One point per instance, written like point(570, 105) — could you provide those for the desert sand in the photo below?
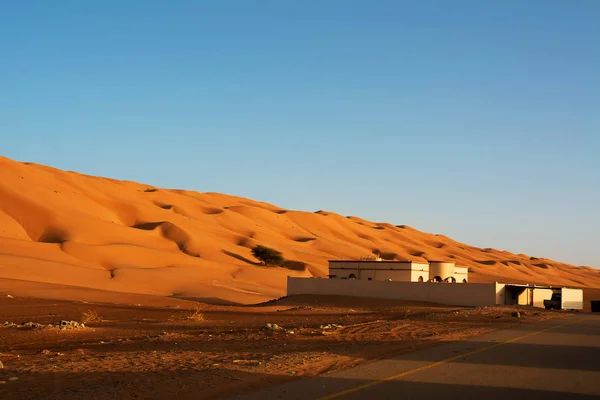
point(161, 348)
point(70, 229)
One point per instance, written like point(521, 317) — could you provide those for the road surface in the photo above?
point(557, 359)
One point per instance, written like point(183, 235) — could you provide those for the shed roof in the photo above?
point(531, 286)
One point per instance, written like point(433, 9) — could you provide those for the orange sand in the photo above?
point(72, 229)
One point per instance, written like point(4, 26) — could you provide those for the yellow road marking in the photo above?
point(435, 364)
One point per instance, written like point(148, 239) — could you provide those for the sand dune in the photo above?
point(72, 229)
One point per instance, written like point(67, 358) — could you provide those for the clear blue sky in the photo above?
point(476, 119)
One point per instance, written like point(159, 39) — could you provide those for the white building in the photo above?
point(400, 271)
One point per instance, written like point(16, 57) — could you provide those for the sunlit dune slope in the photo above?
point(64, 227)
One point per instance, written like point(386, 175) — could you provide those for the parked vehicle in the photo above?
point(555, 302)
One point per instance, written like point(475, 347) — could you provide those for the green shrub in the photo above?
point(267, 255)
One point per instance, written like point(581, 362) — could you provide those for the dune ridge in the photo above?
point(73, 229)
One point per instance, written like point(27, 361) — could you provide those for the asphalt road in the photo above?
point(552, 360)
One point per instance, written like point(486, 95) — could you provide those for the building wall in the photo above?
point(516, 295)
point(396, 271)
point(500, 293)
point(476, 294)
point(377, 270)
point(523, 299)
point(442, 269)
point(421, 266)
point(511, 295)
point(367, 274)
point(419, 270)
point(461, 273)
point(415, 274)
point(344, 269)
point(399, 276)
point(539, 295)
point(572, 299)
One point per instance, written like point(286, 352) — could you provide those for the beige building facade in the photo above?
point(400, 271)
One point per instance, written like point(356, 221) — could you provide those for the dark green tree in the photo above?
point(267, 255)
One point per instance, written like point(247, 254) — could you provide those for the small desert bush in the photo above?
point(267, 255)
point(90, 316)
point(196, 315)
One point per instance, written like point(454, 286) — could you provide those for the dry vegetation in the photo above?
point(196, 315)
point(90, 316)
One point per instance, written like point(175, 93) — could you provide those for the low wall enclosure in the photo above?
point(420, 281)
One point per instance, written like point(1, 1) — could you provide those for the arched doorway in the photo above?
point(437, 279)
point(351, 276)
point(464, 281)
point(420, 279)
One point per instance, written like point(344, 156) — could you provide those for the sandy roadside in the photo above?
point(154, 350)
